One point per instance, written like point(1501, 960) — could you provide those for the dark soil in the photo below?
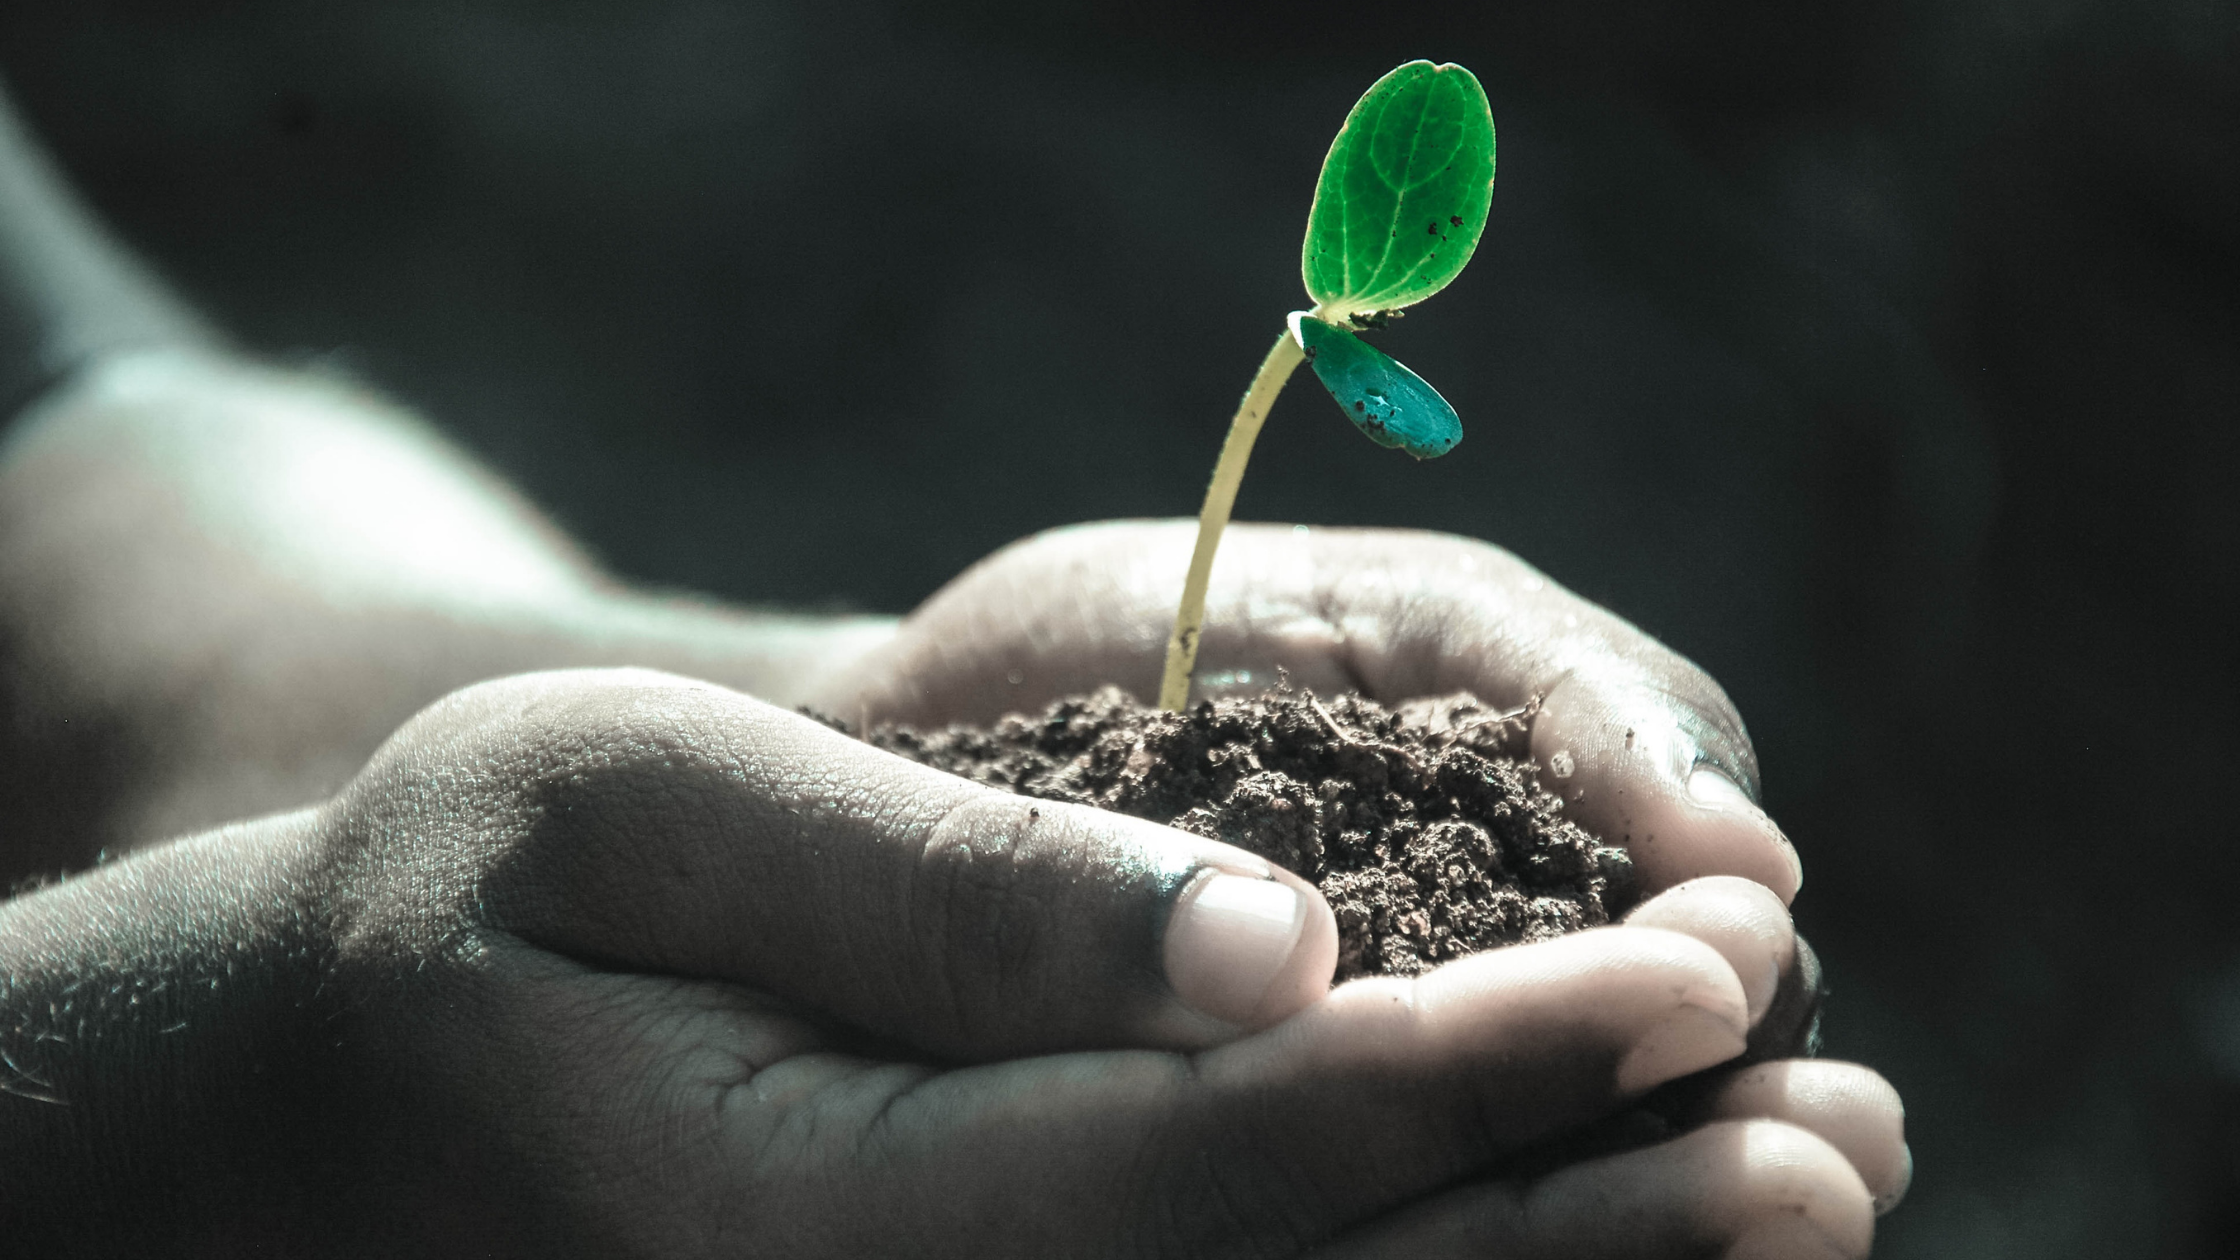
point(1421, 824)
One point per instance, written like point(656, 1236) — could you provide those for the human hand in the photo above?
point(1643, 746)
point(613, 964)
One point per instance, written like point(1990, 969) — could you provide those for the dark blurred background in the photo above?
point(1881, 355)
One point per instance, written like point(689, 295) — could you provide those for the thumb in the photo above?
point(676, 826)
point(1659, 762)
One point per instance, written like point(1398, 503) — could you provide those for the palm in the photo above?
point(1055, 1148)
point(1386, 1092)
point(704, 900)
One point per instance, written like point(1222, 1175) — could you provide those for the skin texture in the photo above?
point(1624, 726)
point(624, 963)
point(225, 585)
point(627, 963)
point(599, 961)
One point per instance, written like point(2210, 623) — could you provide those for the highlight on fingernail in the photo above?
point(1711, 788)
point(1231, 938)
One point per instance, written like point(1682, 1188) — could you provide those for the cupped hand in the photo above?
point(609, 964)
point(636, 965)
point(1643, 746)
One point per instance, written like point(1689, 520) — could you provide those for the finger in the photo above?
point(1790, 1028)
point(1747, 1190)
point(656, 823)
point(1850, 1107)
point(1385, 1092)
point(1497, 1049)
point(1668, 776)
point(1743, 920)
point(1644, 747)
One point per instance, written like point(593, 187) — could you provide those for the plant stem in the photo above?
point(1221, 496)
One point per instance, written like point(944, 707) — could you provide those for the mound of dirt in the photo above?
point(1422, 824)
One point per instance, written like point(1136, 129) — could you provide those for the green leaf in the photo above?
point(1385, 400)
point(1403, 194)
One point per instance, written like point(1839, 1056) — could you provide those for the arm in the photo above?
point(68, 295)
point(221, 585)
point(608, 964)
point(615, 963)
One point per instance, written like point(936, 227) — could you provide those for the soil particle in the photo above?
point(1422, 824)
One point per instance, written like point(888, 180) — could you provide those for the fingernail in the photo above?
point(1714, 790)
point(1690, 1039)
point(1786, 1240)
point(1228, 941)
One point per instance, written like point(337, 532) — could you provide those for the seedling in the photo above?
point(1397, 212)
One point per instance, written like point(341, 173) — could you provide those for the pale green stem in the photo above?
point(1221, 496)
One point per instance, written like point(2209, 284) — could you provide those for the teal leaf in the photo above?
point(1385, 400)
point(1404, 192)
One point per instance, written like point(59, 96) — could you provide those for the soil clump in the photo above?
point(1422, 823)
